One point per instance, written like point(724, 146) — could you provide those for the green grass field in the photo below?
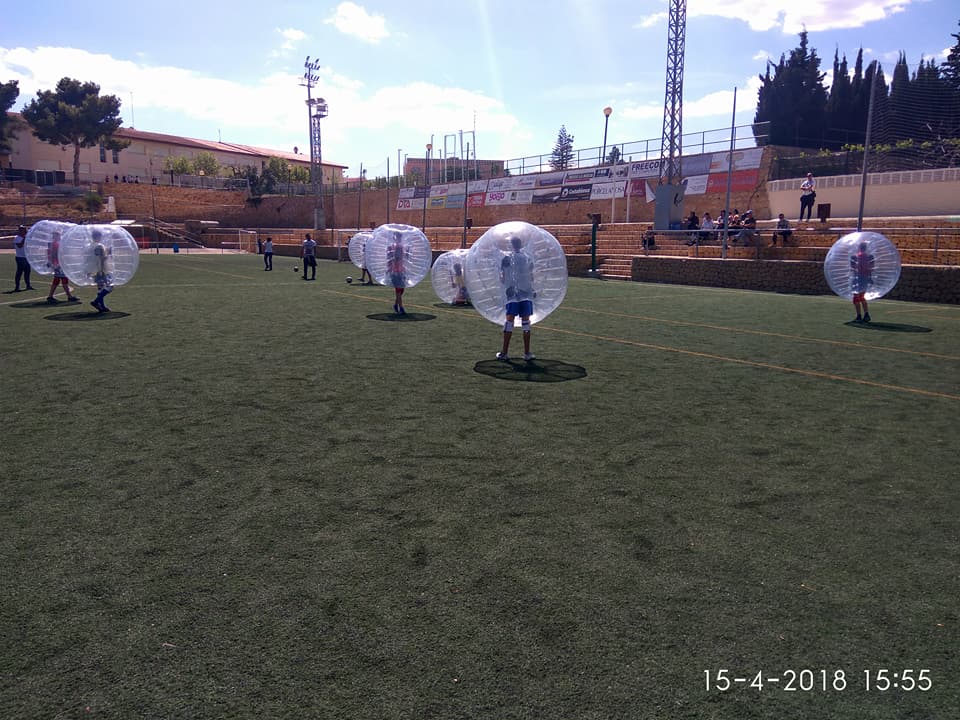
point(242, 495)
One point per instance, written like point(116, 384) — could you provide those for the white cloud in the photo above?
point(352, 19)
point(651, 20)
point(291, 37)
point(792, 17)
point(271, 107)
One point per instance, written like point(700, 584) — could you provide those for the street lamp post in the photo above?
point(606, 121)
point(426, 197)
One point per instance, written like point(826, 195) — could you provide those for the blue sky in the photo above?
point(508, 73)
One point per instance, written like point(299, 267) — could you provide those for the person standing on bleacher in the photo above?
point(808, 195)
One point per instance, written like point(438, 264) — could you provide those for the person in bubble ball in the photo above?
point(516, 276)
point(59, 276)
point(862, 264)
point(364, 273)
point(396, 256)
point(103, 273)
point(460, 285)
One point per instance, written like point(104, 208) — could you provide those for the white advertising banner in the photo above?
point(645, 169)
point(748, 159)
point(509, 197)
point(608, 190)
point(697, 184)
point(500, 184)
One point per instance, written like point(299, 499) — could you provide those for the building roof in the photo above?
point(211, 145)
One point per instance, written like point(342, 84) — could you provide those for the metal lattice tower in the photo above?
point(671, 146)
point(316, 110)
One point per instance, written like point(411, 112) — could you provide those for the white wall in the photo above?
point(893, 194)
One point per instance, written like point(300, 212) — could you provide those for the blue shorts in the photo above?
point(398, 280)
point(524, 308)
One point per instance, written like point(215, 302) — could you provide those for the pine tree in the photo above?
point(562, 155)
point(794, 99)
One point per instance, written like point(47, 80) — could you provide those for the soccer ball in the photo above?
point(349, 279)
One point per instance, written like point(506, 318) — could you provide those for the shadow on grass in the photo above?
point(87, 316)
point(408, 317)
point(889, 327)
point(451, 306)
point(43, 303)
point(532, 371)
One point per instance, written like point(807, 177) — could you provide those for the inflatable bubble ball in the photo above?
point(357, 248)
point(104, 253)
point(448, 276)
point(42, 245)
point(516, 261)
point(862, 262)
point(398, 255)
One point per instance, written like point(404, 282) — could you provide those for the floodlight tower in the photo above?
point(316, 111)
point(669, 207)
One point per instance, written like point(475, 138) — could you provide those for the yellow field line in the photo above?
point(765, 333)
point(754, 363)
point(693, 353)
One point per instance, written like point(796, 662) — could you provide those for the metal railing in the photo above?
point(744, 136)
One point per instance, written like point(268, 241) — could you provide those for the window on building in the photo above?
point(103, 153)
point(116, 157)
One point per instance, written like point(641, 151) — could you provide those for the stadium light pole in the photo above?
point(606, 121)
point(426, 159)
point(399, 168)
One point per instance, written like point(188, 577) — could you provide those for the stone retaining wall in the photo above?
point(917, 283)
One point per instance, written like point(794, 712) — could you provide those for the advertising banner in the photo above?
point(421, 191)
point(575, 192)
point(499, 184)
point(546, 195)
point(455, 201)
point(439, 190)
point(524, 182)
point(437, 203)
point(697, 165)
point(740, 181)
point(577, 177)
point(410, 204)
point(609, 190)
point(550, 179)
point(475, 200)
point(406, 192)
point(509, 197)
point(477, 186)
point(697, 184)
point(742, 160)
point(645, 169)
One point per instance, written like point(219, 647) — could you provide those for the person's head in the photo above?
point(707, 214)
point(516, 242)
point(22, 230)
point(308, 236)
point(809, 176)
point(457, 270)
point(780, 216)
point(863, 246)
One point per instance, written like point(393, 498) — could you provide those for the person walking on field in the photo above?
point(23, 266)
point(268, 254)
point(308, 252)
point(808, 194)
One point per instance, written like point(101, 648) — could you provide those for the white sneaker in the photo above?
point(528, 356)
point(502, 356)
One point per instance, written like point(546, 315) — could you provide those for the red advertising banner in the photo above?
point(740, 181)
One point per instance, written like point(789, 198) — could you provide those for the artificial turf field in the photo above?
point(243, 495)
